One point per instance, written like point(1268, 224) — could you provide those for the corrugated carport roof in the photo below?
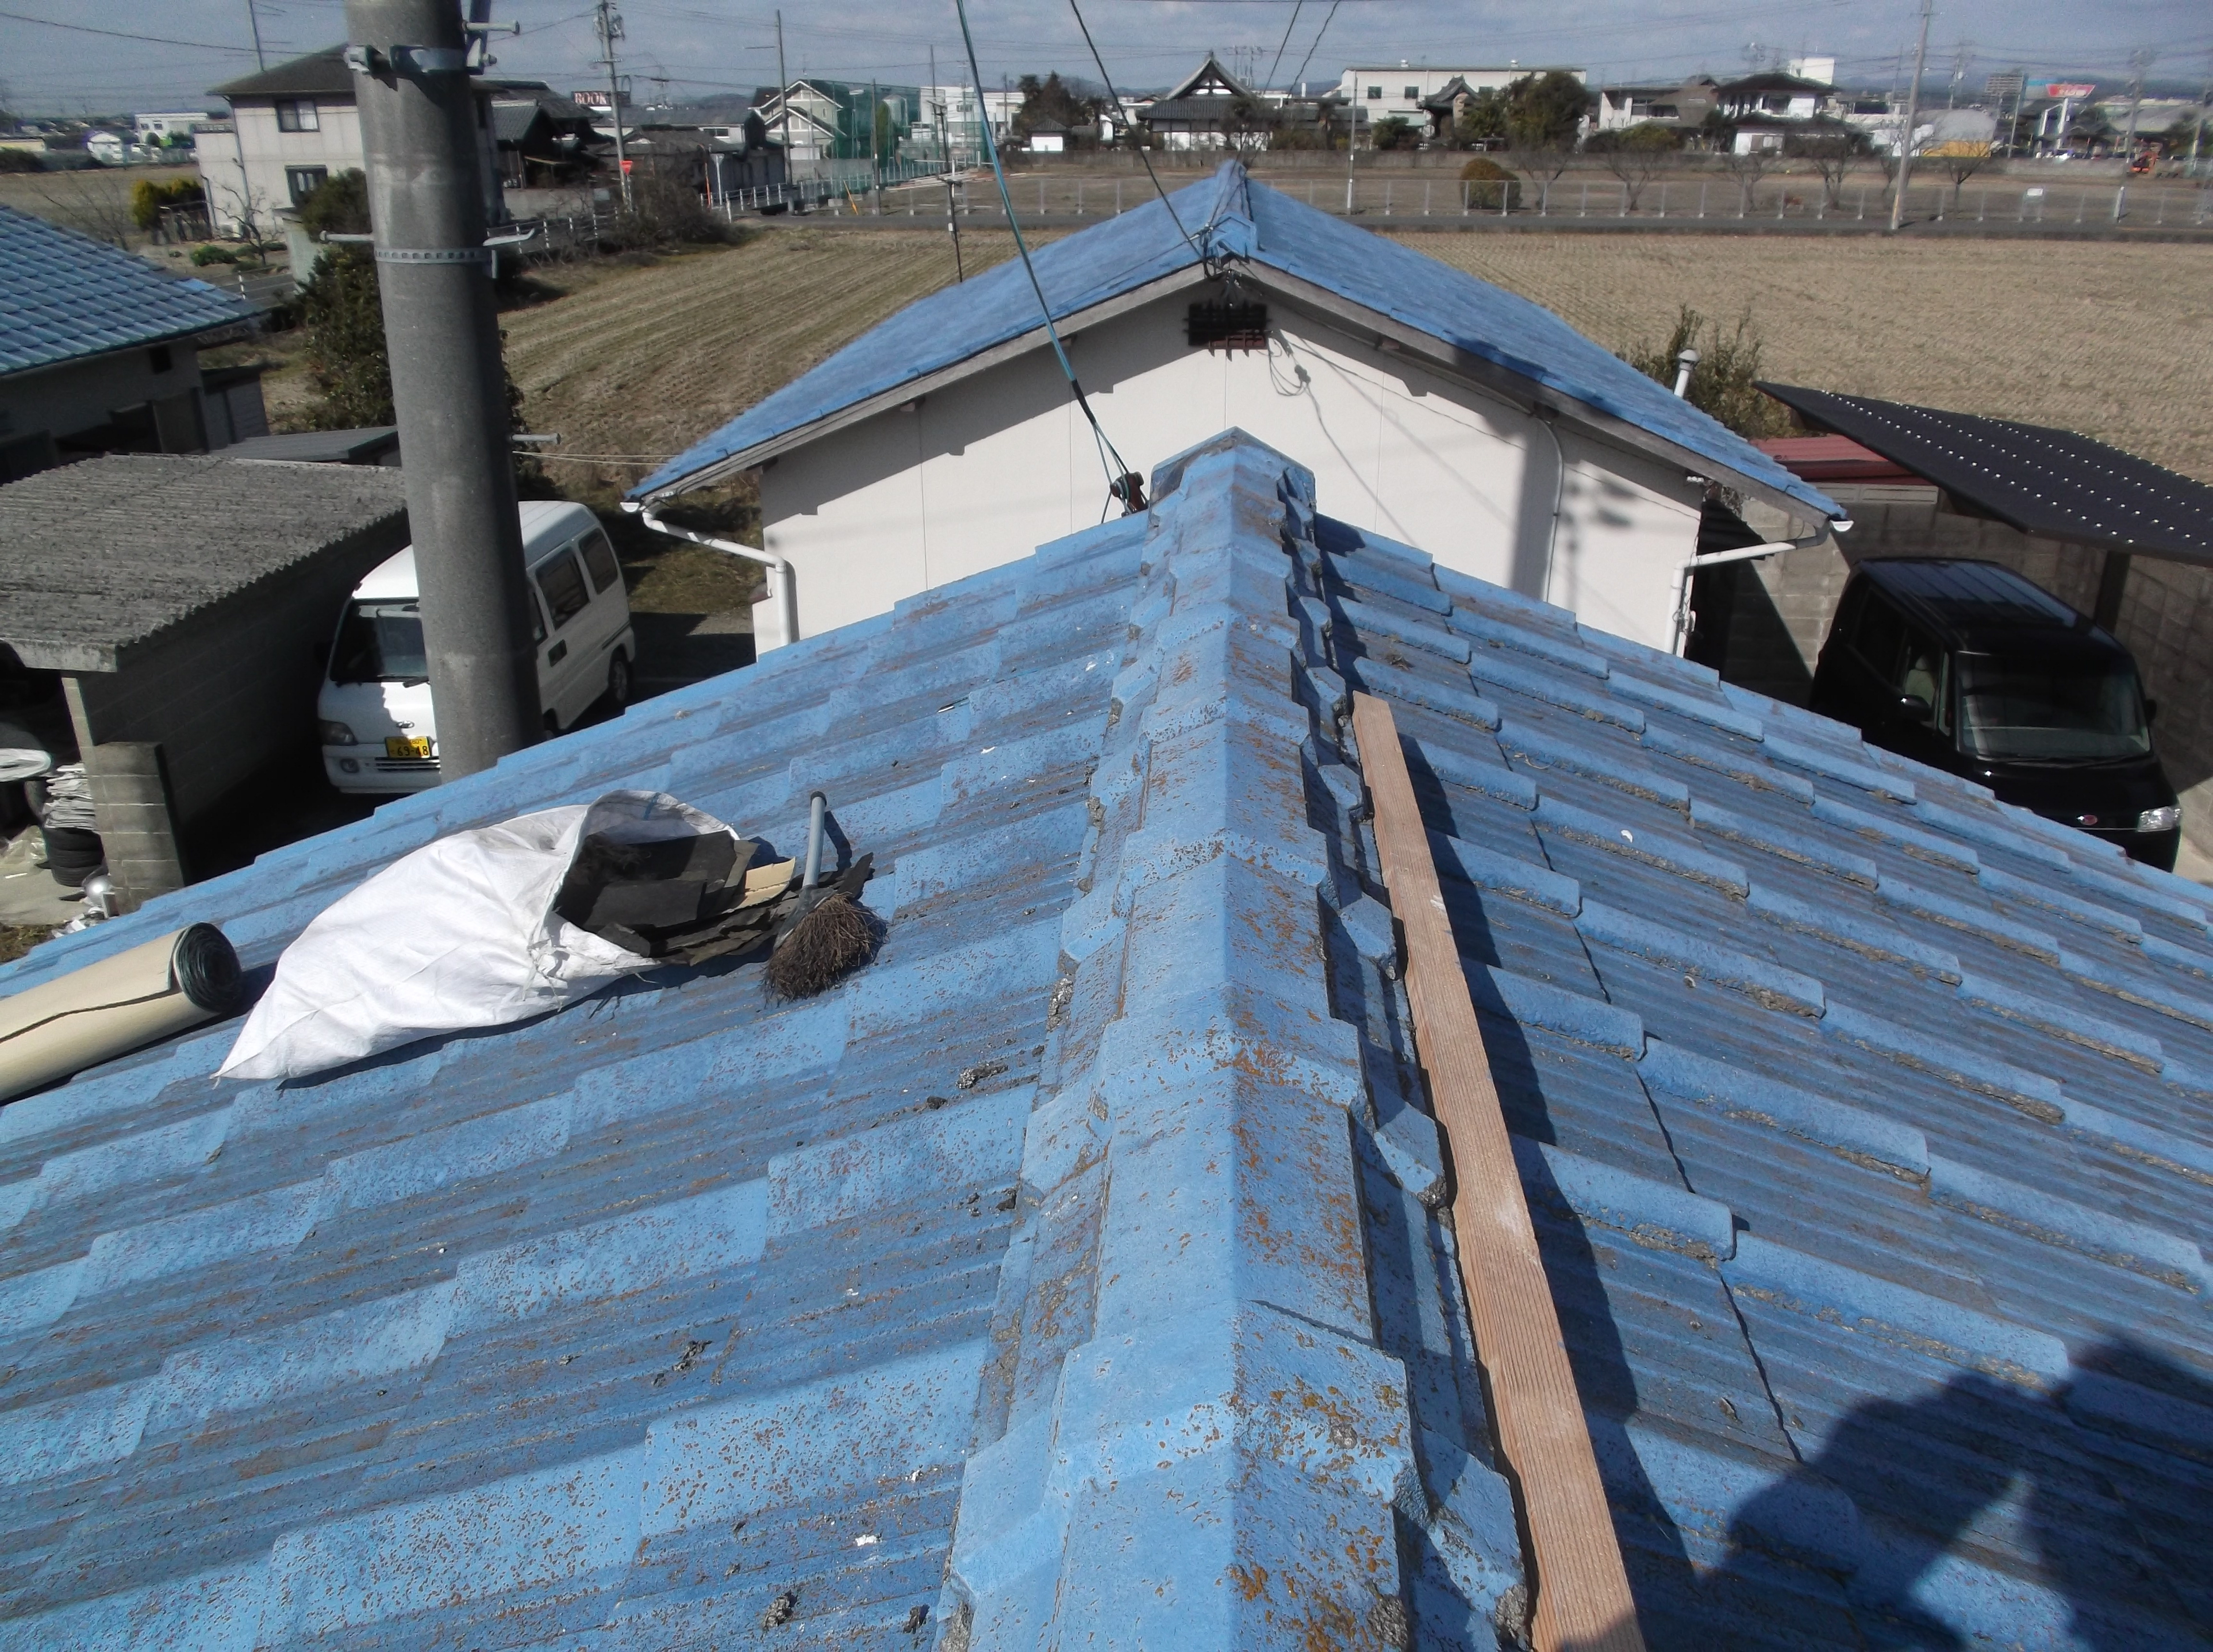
point(2055, 483)
point(100, 556)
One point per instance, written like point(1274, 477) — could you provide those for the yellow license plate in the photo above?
point(401, 745)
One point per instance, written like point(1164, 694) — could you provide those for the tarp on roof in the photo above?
point(1071, 1272)
point(64, 295)
point(1233, 217)
point(2053, 482)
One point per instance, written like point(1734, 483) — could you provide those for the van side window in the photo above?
point(563, 586)
point(1903, 660)
point(600, 558)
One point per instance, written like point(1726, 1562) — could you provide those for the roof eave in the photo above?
point(925, 384)
point(1520, 389)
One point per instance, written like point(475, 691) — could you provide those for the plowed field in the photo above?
point(2116, 341)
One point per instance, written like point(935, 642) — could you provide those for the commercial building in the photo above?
point(1385, 93)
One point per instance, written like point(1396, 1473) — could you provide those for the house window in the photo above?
point(1229, 326)
point(1413, 93)
point(1375, 92)
point(297, 115)
point(304, 181)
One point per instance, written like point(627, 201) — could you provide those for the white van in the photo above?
point(375, 707)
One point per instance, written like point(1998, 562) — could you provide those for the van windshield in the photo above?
point(381, 642)
point(2052, 710)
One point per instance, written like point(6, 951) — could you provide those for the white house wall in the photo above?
point(981, 472)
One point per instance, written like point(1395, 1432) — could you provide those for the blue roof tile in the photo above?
point(1080, 1258)
point(64, 295)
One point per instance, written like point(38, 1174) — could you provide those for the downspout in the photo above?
point(1545, 415)
point(1688, 571)
point(783, 584)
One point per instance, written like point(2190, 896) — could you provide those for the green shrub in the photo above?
point(1487, 183)
point(149, 197)
point(212, 253)
point(342, 309)
point(1723, 383)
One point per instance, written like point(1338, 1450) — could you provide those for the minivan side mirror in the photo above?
point(2151, 710)
point(1911, 708)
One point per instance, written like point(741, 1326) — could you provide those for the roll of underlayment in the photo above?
point(119, 1004)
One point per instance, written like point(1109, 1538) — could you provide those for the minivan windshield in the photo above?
point(2052, 710)
point(381, 642)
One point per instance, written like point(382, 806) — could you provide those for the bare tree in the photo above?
point(255, 220)
point(1961, 161)
point(1635, 157)
point(1748, 169)
point(1834, 151)
point(95, 201)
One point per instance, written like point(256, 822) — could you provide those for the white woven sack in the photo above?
point(461, 933)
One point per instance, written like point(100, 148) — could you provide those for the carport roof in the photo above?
point(1071, 1270)
point(64, 295)
point(2044, 481)
point(103, 556)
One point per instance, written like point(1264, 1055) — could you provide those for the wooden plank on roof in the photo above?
point(1582, 1598)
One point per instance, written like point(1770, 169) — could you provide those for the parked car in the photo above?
point(379, 733)
point(1968, 667)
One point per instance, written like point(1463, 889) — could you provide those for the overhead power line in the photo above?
point(118, 34)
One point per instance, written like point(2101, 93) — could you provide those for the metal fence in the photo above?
point(1719, 197)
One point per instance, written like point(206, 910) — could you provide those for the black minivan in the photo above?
point(1968, 667)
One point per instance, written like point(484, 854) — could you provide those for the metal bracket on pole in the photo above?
point(434, 255)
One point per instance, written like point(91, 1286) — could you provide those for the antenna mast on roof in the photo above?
point(253, 18)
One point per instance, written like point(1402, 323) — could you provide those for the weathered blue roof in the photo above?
point(1073, 1270)
point(1235, 219)
point(64, 294)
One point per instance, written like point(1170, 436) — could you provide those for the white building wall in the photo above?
point(248, 171)
point(1392, 86)
point(982, 472)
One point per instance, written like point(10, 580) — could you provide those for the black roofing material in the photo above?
point(2054, 482)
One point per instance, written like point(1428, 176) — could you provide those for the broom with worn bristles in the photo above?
point(830, 935)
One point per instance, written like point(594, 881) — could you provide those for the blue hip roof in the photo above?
point(1076, 1268)
point(1225, 219)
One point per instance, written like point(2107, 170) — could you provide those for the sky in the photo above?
point(168, 56)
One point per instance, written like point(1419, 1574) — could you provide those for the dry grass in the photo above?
point(2114, 341)
point(647, 361)
point(2111, 340)
point(94, 200)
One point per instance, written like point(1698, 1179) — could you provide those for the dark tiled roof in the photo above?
point(318, 74)
point(100, 556)
point(64, 295)
point(2040, 480)
point(1073, 1265)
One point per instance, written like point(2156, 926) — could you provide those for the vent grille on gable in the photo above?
point(1229, 326)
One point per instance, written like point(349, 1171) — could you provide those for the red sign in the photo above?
point(626, 163)
point(2068, 89)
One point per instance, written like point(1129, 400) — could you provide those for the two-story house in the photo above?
point(296, 125)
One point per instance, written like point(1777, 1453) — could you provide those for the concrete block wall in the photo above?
point(234, 686)
point(2166, 614)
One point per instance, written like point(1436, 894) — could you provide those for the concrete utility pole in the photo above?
point(610, 26)
point(784, 96)
point(420, 128)
point(1912, 118)
point(2139, 61)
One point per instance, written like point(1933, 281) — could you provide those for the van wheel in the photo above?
point(618, 680)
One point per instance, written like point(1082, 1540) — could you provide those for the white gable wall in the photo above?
point(982, 471)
